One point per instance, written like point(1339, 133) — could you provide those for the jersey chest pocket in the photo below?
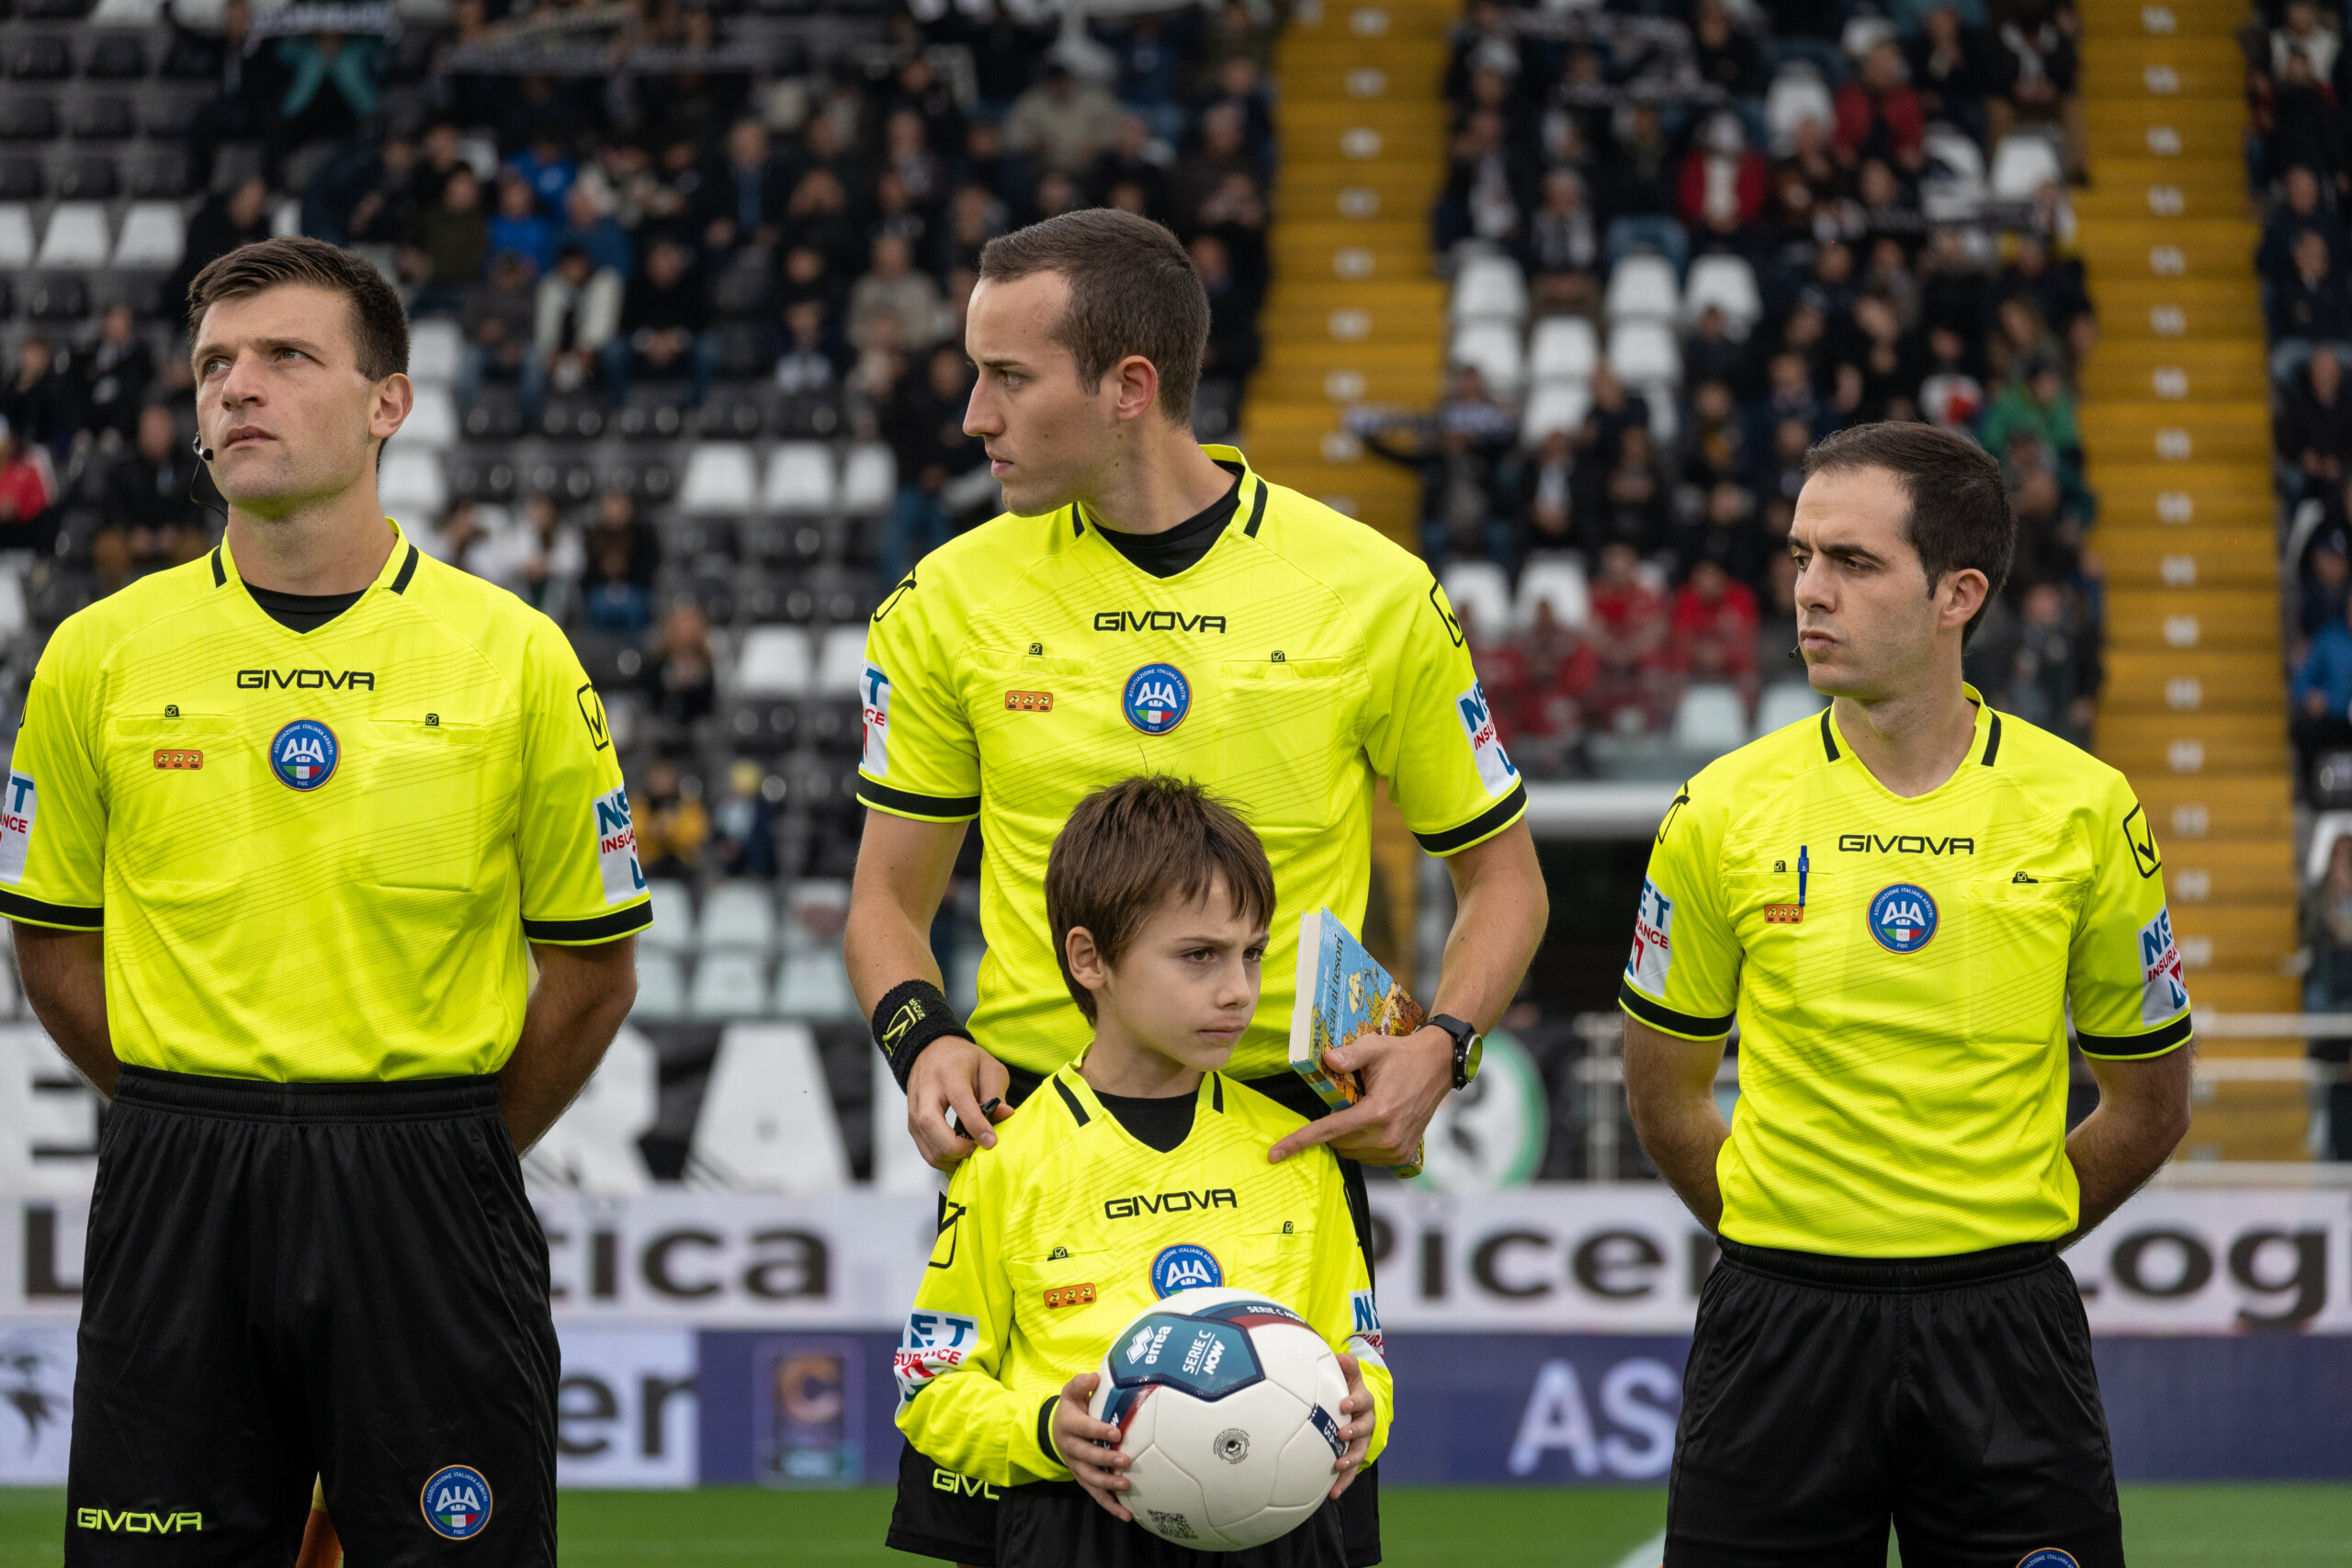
point(440, 791)
point(180, 792)
point(1787, 951)
point(2018, 937)
point(1281, 732)
point(1076, 1294)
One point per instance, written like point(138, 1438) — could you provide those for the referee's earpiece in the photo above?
point(203, 453)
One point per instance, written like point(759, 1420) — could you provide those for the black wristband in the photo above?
point(910, 1016)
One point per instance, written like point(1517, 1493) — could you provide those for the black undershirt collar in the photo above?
point(302, 612)
point(1159, 1124)
point(1179, 549)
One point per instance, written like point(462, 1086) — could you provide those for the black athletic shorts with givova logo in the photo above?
point(290, 1282)
point(1953, 1397)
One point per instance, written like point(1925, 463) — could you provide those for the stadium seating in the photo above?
point(767, 1123)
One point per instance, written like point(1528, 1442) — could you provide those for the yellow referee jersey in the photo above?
point(1901, 972)
point(317, 856)
point(1051, 1241)
point(1028, 663)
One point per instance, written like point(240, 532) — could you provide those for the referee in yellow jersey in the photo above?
point(1899, 903)
point(283, 828)
point(1151, 605)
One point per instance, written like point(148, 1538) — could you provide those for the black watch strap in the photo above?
point(1465, 1036)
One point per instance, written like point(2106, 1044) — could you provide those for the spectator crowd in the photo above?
point(1780, 220)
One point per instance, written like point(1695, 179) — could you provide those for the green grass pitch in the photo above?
point(2164, 1526)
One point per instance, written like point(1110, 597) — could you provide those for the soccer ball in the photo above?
point(1228, 1404)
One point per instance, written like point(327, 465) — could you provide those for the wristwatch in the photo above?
point(1468, 1047)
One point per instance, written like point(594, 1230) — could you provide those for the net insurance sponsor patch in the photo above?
point(2163, 988)
point(16, 827)
point(1494, 767)
point(875, 688)
point(1653, 951)
point(616, 847)
point(930, 1344)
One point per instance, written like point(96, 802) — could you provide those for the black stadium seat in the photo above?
point(102, 119)
point(91, 179)
point(56, 299)
point(496, 415)
point(21, 179)
point(8, 300)
point(28, 119)
point(169, 114)
point(56, 10)
point(165, 177)
point(478, 479)
point(117, 57)
point(41, 58)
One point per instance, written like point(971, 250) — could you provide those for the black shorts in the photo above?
point(291, 1280)
point(943, 1514)
point(1954, 1397)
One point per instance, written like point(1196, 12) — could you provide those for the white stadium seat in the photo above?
point(14, 614)
point(661, 987)
point(1666, 409)
point(776, 661)
point(1709, 719)
point(720, 480)
point(899, 1164)
point(673, 917)
point(2022, 165)
point(1786, 702)
point(1480, 595)
point(1563, 348)
point(1553, 405)
point(799, 478)
point(154, 235)
point(869, 478)
point(593, 1145)
point(286, 218)
point(841, 661)
point(1796, 94)
point(411, 484)
point(76, 236)
point(432, 422)
point(1488, 289)
point(1491, 348)
point(767, 1122)
point(1556, 581)
point(1645, 351)
point(16, 236)
point(1642, 288)
point(727, 984)
point(435, 350)
point(1727, 283)
point(813, 986)
point(739, 915)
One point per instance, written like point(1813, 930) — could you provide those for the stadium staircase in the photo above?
point(1354, 315)
point(2176, 424)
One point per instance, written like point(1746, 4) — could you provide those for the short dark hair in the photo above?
point(379, 324)
point(1133, 290)
point(1143, 842)
point(1960, 517)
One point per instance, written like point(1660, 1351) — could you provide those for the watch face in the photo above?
point(1471, 1058)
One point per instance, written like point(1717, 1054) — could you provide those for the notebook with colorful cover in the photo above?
point(1344, 994)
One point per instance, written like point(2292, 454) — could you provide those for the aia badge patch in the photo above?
point(304, 754)
point(1157, 698)
point(2048, 1557)
point(1184, 1266)
point(1902, 918)
point(456, 1502)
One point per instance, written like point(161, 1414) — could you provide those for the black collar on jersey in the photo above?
point(399, 584)
point(1248, 529)
point(1180, 548)
point(1078, 1112)
point(1992, 737)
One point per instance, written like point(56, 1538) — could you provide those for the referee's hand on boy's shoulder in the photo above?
point(1406, 1077)
point(953, 1073)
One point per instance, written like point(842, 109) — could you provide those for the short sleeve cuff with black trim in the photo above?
point(923, 807)
point(1480, 828)
point(1665, 1021)
point(2137, 1047)
point(66, 917)
point(588, 932)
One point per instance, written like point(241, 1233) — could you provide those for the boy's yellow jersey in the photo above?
point(1902, 972)
point(1051, 1241)
point(1029, 663)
